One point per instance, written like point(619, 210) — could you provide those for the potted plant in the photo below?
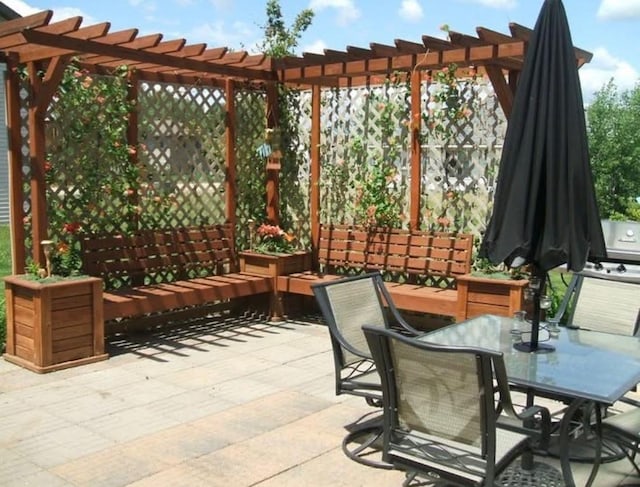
point(491, 289)
point(274, 253)
point(53, 321)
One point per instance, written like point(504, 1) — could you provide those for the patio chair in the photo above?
point(606, 306)
point(347, 304)
point(440, 417)
point(601, 305)
point(624, 429)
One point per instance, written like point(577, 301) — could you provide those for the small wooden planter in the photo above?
point(274, 266)
point(52, 326)
point(483, 295)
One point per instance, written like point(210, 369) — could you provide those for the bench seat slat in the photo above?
point(432, 259)
point(160, 297)
point(186, 266)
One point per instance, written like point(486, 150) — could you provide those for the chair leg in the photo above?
point(366, 439)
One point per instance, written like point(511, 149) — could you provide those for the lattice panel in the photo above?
point(355, 133)
point(250, 133)
point(26, 167)
point(182, 129)
point(89, 177)
point(459, 173)
point(295, 176)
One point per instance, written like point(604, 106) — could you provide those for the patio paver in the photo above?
point(237, 402)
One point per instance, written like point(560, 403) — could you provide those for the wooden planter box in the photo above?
point(483, 295)
point(274, 266)
point(52, 326)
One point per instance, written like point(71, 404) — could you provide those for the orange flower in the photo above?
point(444, 221)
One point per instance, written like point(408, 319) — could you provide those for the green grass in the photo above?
point(5, 270)
point(559, 282)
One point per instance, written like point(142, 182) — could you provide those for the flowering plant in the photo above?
point(273, 240)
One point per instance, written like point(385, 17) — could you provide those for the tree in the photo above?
point(614, 145)
point(278, 40)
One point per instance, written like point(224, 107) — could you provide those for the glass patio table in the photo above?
point(586, 366)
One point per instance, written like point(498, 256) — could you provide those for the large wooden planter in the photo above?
point(479, 295)
point(274, 266)
point(52, 326)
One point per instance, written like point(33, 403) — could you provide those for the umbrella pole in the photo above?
point(538, 281)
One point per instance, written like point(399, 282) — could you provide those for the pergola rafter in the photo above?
point(48, 47)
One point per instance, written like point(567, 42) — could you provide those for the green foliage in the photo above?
point(91, 183)
point(280, 41)
point(379, 196)
point(5, 270)
point(448, 103)
point(614, 146)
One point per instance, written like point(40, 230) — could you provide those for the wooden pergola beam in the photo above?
point(126, 54)
point(429, 60)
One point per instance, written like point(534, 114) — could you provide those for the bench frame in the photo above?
point(160, 270)
point(420, 267)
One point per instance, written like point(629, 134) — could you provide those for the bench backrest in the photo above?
point(431, 258)
point(161, 255)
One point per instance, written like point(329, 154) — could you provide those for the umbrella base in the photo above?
point(528, 347)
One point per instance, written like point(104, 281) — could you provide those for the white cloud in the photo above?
point(347, 11)
point(602, 68)
point(21, 7)
point(619, 9)
point(220, 34)
point(318, 47)
point(494, 3)
point(61, 13)
point(411, 10)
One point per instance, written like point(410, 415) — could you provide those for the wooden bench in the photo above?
point(161, 270)
point(420, 267)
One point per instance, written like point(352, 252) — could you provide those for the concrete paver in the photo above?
point(239, 402)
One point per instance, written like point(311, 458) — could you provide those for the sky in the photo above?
point(607, 28)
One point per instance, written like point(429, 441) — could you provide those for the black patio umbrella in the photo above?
point(545, 212)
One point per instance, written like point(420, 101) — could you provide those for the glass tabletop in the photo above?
point(585, 364)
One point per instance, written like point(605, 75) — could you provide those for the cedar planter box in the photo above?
point(54, 325)
point(479, 295)
point(273, 265)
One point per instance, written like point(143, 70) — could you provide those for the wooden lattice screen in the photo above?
point(179, 175)
point(457, 175)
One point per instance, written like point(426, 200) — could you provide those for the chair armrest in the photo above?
point(534, 421)
point(573, 288)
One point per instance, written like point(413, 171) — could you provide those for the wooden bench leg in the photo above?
point(276, 309)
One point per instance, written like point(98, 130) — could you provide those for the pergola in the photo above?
point(48, 47)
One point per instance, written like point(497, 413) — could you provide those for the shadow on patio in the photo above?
point(218, 401)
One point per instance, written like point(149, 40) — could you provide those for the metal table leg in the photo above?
point(565, 427)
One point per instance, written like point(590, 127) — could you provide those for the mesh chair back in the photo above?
point(440, 414)
point(348, 304)
point(439, 394)
point(607, 306)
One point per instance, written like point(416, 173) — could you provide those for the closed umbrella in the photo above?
point(545, 211)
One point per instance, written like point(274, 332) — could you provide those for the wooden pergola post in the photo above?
point(39, 222)
point(16, 192)
point(132, 133)
point(416, 150)
point(273, 175)
point(41, 90)
point(230, 186)
point(316, 93)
